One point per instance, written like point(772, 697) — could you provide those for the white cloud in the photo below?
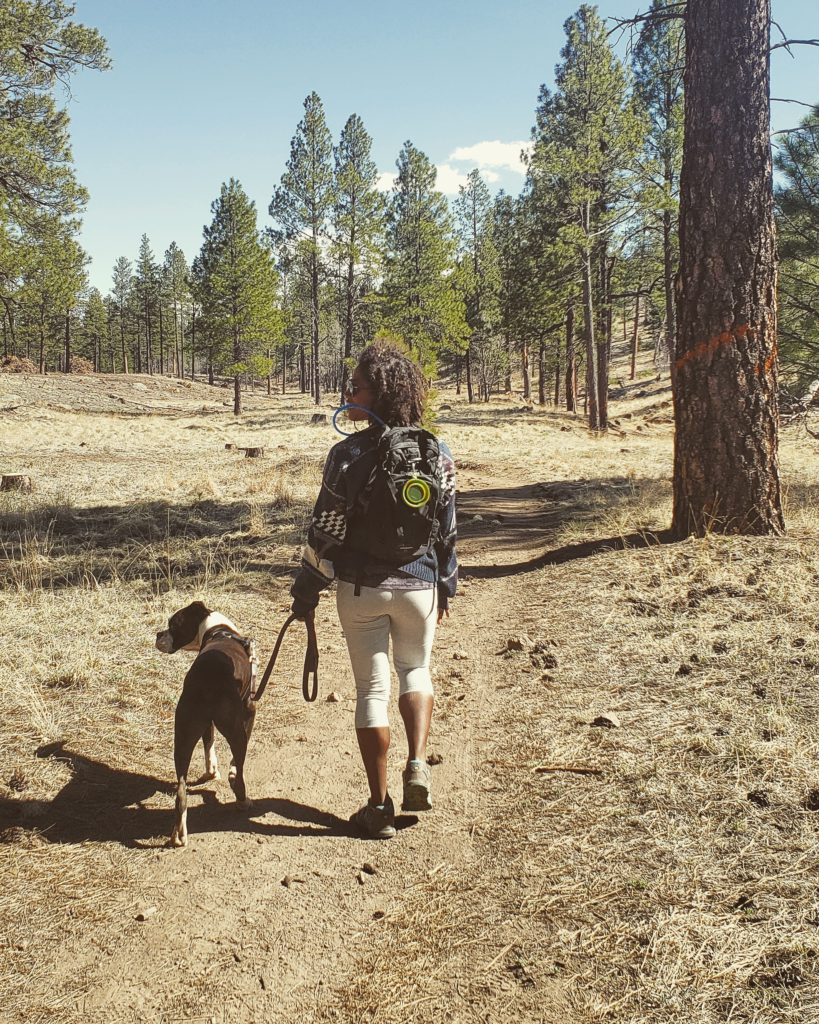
point(386, 180)
point(489, 155)
point(449, 179)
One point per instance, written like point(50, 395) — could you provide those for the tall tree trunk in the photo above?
point(314, 320)
point(149, 341)
point(302, 370)
point(591, 347)
point(349, 323)
point(67, 345)
point(603, 344)
point(509, 365)
point(468, 361)
point(726, 469)
point(193, 342)
point(42, 346)
point(571, 361)
point(284, 368)
point(122, 339)
point(161, 343)
point(527, 375)
point(237, 381)
point(668, 288)
point(458, 374)
point(541, 373)
point(634, 337)
point(557, 373)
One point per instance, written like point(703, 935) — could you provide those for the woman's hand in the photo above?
point(442, 613)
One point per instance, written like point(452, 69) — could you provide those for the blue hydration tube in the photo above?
point(352, 405)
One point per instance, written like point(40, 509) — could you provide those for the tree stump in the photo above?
point(230, 447)
point(16, 482)
point(253, 453)
point(318, 417)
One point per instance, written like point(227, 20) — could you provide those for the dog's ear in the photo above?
point(199, 608)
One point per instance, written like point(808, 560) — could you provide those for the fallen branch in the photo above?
point(578, 769)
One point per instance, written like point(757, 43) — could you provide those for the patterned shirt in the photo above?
point(325, 557)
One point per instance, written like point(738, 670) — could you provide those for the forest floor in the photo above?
point(627, 779)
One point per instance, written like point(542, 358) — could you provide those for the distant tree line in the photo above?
point(488, 291)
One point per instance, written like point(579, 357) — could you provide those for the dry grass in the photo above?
point(91, 565)
point(677, 881)
point(679, 885)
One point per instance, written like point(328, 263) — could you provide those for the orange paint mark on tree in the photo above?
point(768, 365)
point(706, 348)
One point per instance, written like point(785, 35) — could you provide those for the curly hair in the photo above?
point(397, 384)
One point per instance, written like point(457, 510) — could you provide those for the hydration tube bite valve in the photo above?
point(352, 405)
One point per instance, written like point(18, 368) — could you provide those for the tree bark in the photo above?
point(527, 374)
point(591, 347)
point(314, 320)
point(726, 470)
point(634, 337)
point(571, 361)
point(557, 372)
point(668, 288)
point(541, 374)
point(468, 361)
point(67, 345)
point(161, 343)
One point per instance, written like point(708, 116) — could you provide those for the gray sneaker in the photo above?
point(375, 821)
point(417, 783)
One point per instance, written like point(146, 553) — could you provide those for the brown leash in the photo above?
point(311, 659)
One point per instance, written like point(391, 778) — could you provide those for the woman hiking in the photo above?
point(379, 598)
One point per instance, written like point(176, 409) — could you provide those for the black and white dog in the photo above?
point(217, 692)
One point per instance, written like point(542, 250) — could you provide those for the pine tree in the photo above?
point(122, 279)
point(726, 467)
point(54, 277)
point(39, 47)
point(586, 136)
point(422, 306)
point(301, 205)
point(358, 222)
point(479, 282)
point(176, 289)
point(658, 65)
point(797, 209)
point(94, 327)
point(238, 288)
point(146, 288)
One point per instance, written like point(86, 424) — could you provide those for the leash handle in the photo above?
point(311, 659)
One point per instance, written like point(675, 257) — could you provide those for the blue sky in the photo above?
point(204, 90)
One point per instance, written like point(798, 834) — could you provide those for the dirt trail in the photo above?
point(262, 914)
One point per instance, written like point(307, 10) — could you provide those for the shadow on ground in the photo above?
point(108, 805)
point(57, 546)
point(516, 519)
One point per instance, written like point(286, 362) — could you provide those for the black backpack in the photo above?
point(393, 512)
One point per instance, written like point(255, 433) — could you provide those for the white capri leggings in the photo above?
point(368, 621)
